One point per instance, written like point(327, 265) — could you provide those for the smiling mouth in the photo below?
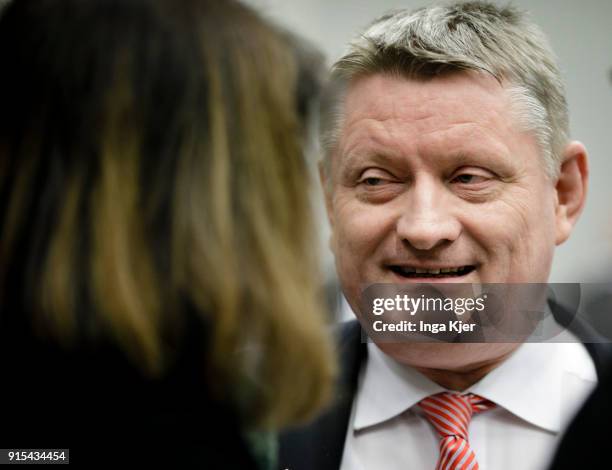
point(420, 273)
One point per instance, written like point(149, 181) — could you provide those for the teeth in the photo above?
point(411, 270)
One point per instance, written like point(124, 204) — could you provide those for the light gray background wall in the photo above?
point(581, 35)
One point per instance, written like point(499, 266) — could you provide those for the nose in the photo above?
point(428, 217)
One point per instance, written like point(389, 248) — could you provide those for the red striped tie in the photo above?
point(450, 415)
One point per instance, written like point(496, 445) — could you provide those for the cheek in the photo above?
point(360, 229)
point(518, 236)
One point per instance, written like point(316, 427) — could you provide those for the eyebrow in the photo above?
point(354, 158)
point(462, 157)
point(492, 152)
point(458, 158)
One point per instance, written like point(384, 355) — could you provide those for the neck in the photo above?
point(464, 378)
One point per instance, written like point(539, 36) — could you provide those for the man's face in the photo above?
point(434, 181)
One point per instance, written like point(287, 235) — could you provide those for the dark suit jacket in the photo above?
point(319, 445)
point(587, 441)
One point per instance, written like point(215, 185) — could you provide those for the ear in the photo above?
point(571, 189)
point(326, 183)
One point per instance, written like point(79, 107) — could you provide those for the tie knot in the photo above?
point(450, 413)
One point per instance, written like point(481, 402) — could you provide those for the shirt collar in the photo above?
point(528, 384)
point(388, 389)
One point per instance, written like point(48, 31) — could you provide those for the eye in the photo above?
point(377, 186)
point(472, 176)
point(372, 181)
point(373, 177)
point(467, 178)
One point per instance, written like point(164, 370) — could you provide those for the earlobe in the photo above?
point(571, 189)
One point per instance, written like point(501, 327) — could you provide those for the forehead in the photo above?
point(386, 95)
point(465, 108)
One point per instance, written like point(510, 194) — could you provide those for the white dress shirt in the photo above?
point(538, 389)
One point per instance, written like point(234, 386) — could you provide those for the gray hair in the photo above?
point(439, 40)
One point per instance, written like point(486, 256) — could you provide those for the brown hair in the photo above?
point(151, 166)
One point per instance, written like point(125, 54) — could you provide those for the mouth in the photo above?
point(450, 272)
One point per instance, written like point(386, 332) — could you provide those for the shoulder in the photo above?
point(585, 432)
point(598, 347)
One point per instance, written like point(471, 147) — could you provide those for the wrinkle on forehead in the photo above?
point(467, 112)
point(376, 96)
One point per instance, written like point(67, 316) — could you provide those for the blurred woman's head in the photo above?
point(151, 168)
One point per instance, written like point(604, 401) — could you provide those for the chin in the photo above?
point(447, 356)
